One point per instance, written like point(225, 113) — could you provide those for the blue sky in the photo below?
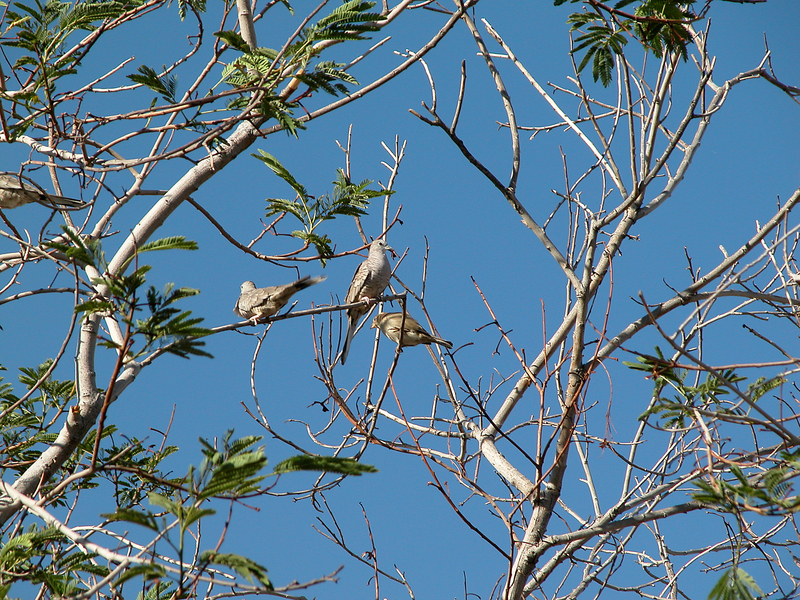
point(748, 158)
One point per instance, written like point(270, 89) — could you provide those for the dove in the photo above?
point(256, 303)
point(413, 333)
point(15, 192)
point(370, 279)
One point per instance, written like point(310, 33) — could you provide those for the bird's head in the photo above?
point(376, 322)
point(380, 245)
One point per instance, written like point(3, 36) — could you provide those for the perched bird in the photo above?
point(255, 303)
point(370, 279)
point(14, 192)
point(413, 333)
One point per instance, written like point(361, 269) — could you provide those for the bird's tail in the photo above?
point(351, 330)
point(441, 342)
point(50, 199)
point(307, 281)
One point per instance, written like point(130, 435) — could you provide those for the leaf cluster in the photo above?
point(231, 469)
point(229, 472)
point(25, 428)
point(45, 557)
point(660, 26)
point(167, 327)
point(247, 72)
point(138, 473)
point(41, 30)
point(769, 492)
point(346, 199)
point(265, 68)
point(766, 492)
point(166, 86)
point(709, 394)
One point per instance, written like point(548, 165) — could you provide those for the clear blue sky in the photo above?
point(749, 156)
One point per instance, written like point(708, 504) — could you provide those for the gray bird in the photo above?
point(370, 279)
point(15, 191)
point(413, 333)
point(256, 303)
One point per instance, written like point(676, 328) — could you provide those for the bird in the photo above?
point(256, 303)
point(14, 192)
point(413, 333)
point(370, 279)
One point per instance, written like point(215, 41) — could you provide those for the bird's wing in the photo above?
point(244, 304)
point(360, 278)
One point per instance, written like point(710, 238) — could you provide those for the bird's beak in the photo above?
point(392, 252)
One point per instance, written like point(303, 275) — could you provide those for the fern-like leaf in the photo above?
point(330, 464)
point(735, 584)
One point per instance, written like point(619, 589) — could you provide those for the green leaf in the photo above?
point(762, 385)
point(242, 565)
point(281, 171)
point(185, 5)
point(147, 572)
point(330, 464)
point(236, 476)
point(135, 516)
point(193, 514)
point(665, 30)
point(321, 243)
point(234, 40)
point(165, 85)
point(94, 306)
point(83, 250)
point(323, 77)
point(176, 242)
point(42, 30)
point(247, 69)
point(167, 326)
point(274, 107)
point(735, 584)
point(346, 22)
point(78, 561)
point(162, 501)
point(83, 15)
point(233, 471)
point(602, 44)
